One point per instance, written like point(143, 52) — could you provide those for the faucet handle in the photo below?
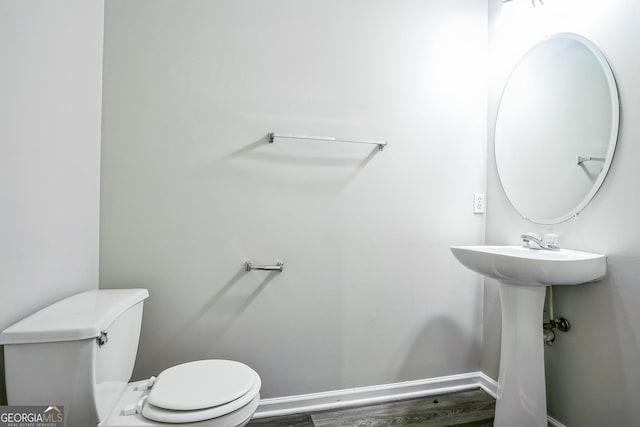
point(551, 240)
point(531, 240)
point(531, 234)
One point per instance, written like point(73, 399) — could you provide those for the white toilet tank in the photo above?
point(78, 352)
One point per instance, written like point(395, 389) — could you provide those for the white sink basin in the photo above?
point(523, 266)
point(522, 274)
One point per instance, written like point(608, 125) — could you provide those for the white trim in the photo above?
point(553, 422)
point(380, 393)
point(488, 384)
point(374, 394)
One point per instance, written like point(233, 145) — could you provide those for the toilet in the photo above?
point(79, 353)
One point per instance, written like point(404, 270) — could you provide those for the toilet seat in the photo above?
point(201, 390)
point(201, 384)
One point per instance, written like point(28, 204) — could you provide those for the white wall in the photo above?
point(190, 189)
point(593, 372)
point(50, 108)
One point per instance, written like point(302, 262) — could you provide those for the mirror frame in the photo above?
point(613, 137)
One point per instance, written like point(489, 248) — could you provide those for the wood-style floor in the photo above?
point(473, 408)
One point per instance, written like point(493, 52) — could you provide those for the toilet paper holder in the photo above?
point(279, 266)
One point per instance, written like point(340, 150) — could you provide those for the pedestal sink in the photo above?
point(523, 274)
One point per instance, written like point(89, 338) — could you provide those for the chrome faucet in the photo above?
point(533, 241)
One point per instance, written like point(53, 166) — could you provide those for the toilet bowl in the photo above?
point(118, 418)
point(205, 393)
point(79, 353)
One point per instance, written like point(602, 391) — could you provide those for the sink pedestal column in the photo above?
point(521, 398)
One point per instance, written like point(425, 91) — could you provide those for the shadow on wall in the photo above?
point(250, 152)
point(3, 383)
point(441, 340)
point(600, 352)
point(492, 328)
point(217, 315)
point(299, 154)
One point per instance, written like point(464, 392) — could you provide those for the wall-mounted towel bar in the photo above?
point(279, 266)
point(581, 159)
point(273, 136)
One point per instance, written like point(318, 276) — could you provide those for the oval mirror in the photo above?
point(556, 128)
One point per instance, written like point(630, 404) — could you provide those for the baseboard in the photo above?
point(553, 422)
point(488, 384)
point(380, 393)
point(374, 394)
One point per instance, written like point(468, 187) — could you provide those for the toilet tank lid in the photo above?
point(77, 317)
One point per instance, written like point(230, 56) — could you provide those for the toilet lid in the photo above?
point(202, 384)
point(223, 416)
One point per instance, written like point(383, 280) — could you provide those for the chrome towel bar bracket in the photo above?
point(279, 266)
